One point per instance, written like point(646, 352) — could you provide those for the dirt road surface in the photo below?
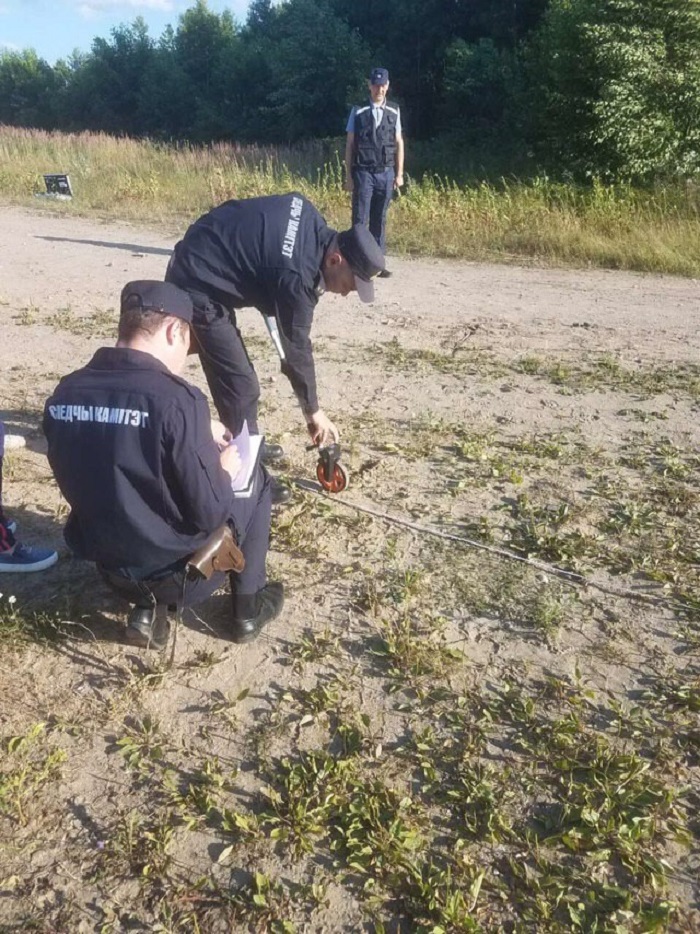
point(442, 390)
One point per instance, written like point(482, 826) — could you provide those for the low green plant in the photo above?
point(412, 654)
point(101, 324)
point(28, 764)
point(141, 845)
point(20, 626)
point(143, 744)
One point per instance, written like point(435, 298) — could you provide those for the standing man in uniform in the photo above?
point(374, 154)
point(132, 450)
point(278, 255)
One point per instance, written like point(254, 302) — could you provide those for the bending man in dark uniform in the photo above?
point(277, 254)
point(132, 450)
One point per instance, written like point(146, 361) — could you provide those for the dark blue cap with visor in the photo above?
point(163, 297)
point(379, 76)
point(364, 257)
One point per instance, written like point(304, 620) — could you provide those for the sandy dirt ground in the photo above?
point(441, 346)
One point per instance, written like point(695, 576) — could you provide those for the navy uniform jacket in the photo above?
point(375, 146)
point(264, 253)
point(131, 448)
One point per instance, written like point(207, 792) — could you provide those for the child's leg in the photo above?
point(2, 454)
point(7, 539)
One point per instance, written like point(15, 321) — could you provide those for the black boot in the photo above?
point(271, 453)
point(253, 611)
point(281, 494)
point(148, 627)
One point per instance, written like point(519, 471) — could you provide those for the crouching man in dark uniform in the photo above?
point(278, 255)
point(132, 450)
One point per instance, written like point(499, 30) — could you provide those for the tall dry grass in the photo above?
point(538, 220)
point(140, 180)
point(541, 220)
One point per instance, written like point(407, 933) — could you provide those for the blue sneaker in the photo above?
point(24, 559)
point(11, 526)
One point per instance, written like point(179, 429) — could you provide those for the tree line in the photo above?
point(578, 88)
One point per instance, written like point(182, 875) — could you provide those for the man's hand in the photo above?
point(221, 434)
point(321, 428)
point(230, 460)
point(348, 183)
point(398, 181)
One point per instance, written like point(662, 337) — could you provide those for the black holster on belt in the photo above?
point(219, 553)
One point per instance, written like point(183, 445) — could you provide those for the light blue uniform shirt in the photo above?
point(377, 113)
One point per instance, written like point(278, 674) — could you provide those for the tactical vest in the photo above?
point(375, 146)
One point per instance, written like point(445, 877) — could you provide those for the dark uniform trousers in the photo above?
point(250, 518)
point(372, 191)
point(230, 374)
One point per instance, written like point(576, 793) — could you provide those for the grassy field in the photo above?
point(540, 221)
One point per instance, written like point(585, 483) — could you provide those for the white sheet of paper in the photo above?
point(248, 447)
point(242, 443)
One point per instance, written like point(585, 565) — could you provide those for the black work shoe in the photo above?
point(148, 628)
point(266, 604)
point(385, 274)
point(281, 494)
point(271, 453)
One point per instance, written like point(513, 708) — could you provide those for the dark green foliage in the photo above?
point(481, 81)
point(28, 86)
point(106, 89)
point(301, 67)
point(615, 87)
